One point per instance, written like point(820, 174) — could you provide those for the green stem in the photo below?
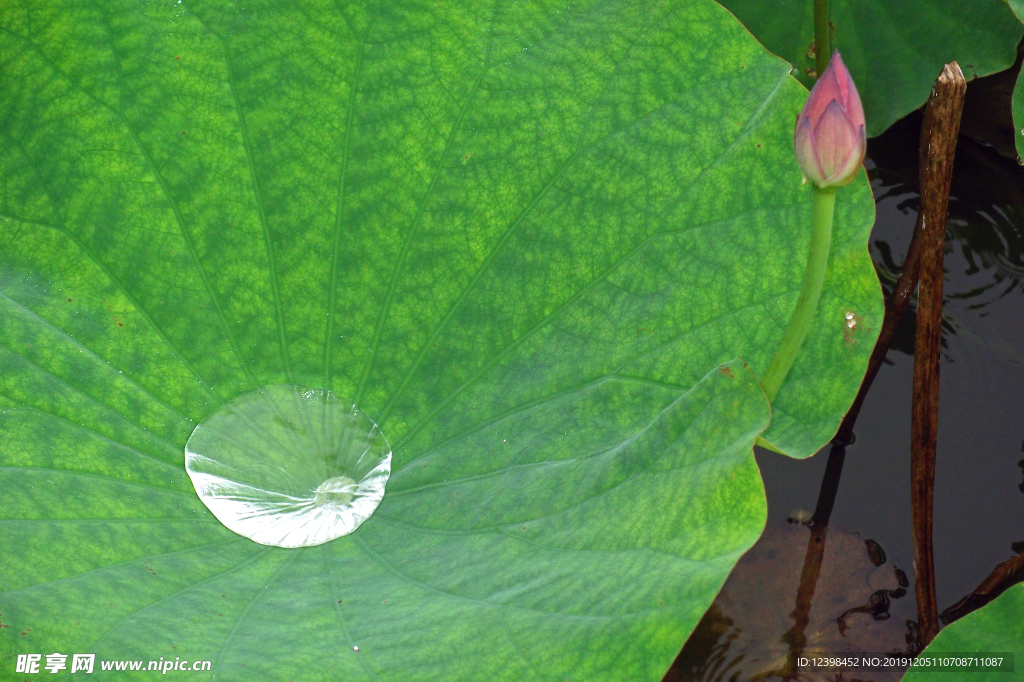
point(822, 37)
point(810, 292)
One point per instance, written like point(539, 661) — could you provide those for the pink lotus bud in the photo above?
point(829, 139)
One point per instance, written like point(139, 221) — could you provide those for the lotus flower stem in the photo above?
point(829, 142)
point(810, 292)
point(822, 37)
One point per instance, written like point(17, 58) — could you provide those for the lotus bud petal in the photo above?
point(830, 139)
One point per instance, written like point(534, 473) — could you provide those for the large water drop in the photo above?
point(288, 466)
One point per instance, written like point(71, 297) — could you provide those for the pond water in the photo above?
point(979, 494)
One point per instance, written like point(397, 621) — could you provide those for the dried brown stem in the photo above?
point(1005, 576)
point(938, 145)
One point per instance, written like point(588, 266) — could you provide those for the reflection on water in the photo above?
point(769, 614)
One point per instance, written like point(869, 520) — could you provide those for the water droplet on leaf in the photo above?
point(288, 466)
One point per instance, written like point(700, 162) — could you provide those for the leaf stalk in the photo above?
point(810, 292)
point(822, 36)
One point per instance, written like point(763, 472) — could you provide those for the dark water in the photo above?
point(979, 494)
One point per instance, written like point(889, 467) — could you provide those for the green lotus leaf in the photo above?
point(527, 241)
point(992, 631)
point(1018, 92)
point(1018, 115)
point(894, 48)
